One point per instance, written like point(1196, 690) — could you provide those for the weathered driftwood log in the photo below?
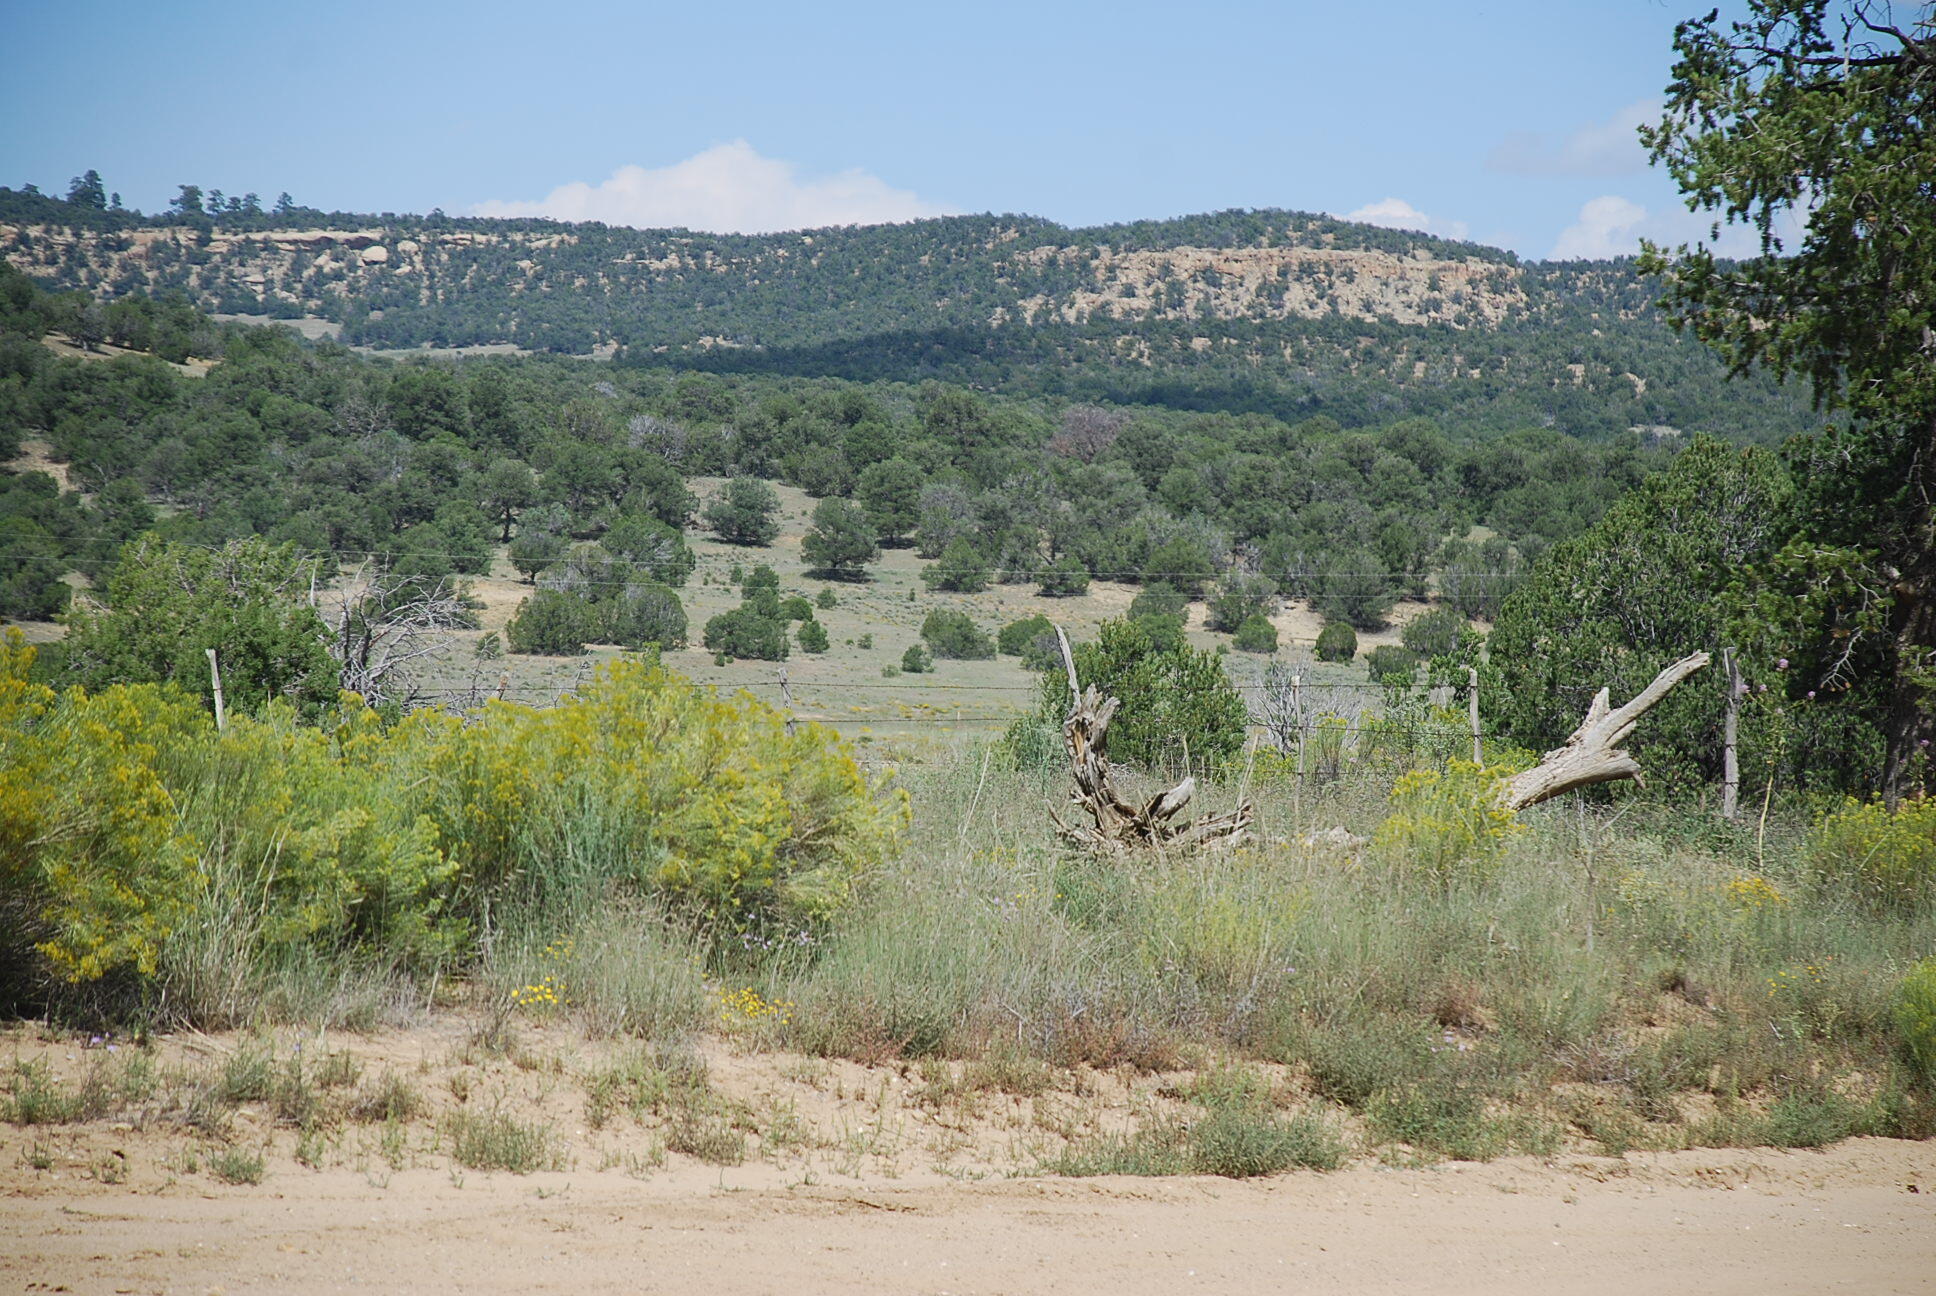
point(1116, 824)
point(1592, 754)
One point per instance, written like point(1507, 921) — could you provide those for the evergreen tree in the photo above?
point(1822, 110)
point(840, 543)
point(745, 513)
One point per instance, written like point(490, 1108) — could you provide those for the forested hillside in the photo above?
point(1273, 312)
point(423, 466)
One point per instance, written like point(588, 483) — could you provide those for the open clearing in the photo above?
point(856, 686)
point(858, 1178)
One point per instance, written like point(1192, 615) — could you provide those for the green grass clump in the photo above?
point(669, 1081)
point(710, 1137)
point(1449, 1118)
point(496, 1140)
point(390, 1097)
point(620, 969)
point(651, 1080)
point(1916, 1019)
point(35, 1097)
point(236, 1165)
point(1240, 1135)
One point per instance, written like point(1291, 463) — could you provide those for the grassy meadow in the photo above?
point(555, 890)
point(845, 687)
point(1615, 978)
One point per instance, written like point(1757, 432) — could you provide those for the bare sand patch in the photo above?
point(37, 455)
point(861, 1178)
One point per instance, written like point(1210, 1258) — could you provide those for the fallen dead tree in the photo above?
point(1592, 755)
point(1116, 824)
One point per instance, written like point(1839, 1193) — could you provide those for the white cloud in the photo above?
point(1602, 148)
point(728, 189)
point(1610, 226)
point(1396, 213)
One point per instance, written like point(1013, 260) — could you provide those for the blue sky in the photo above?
point(1509, 123)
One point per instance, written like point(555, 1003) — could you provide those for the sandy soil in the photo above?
point(877, 1178)
point(195, 367)
point(1857, 1218)
point(37, 455)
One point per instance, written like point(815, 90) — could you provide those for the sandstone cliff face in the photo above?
point(319, 271)
point(305, 269)
point(1277, 283)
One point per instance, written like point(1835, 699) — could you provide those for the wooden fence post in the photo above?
point(1303, 735)
point(221, 709)
point(1472, 713)
point(1730, 726)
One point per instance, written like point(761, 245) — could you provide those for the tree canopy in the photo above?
point(1817, 114)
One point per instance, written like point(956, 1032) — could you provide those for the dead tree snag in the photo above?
point(1592, 754)
point(1116, 824)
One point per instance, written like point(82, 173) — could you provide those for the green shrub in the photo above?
point(916, 660)
point(644, 546)
point(744, 632)
point(840, 543)
point(1890, 856)
point(1256, 635)
point(1158, 598)
point(1657, 576)
point(745, 513)
point(1063, 578)
point(1178, 706)
point(1354, 586)
point(1033, 640)
point(1337, 642)
point(165, 605)
point(643, 614)
point(1392, 666)
point(826, 600)
point(1237, 598)
point(138, 842)
point(1916, 1018)
point(551, 622)
point(952, 634)
point(1183, 563)
point(812, 636)
point(796, 608)
point(1165, 632)
point(1434, 633)
point(961, 568)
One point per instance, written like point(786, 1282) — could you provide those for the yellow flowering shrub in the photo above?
point(90, 840)
point(1751, 893)
point(1890, 855)
point(1446, 823)
point(646, 779)
point(135, 837)
point(743, 1007)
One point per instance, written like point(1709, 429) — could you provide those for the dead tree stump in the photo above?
point(1592, 754)
point(1116, 824)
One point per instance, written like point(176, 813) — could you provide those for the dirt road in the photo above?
point(1859, 1218)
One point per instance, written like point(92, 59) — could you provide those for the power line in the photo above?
point(1118, 577)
